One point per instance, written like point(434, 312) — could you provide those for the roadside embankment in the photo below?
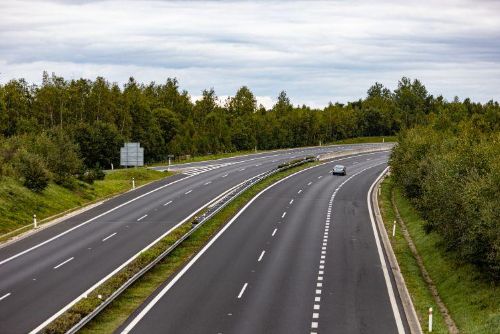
point(461, 298)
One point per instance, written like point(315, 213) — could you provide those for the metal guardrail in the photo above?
point(200, 220)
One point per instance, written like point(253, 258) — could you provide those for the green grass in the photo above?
point(473, 303)
point(118, 311)
point(18, 204)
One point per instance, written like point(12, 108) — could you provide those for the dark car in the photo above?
point(339, 170)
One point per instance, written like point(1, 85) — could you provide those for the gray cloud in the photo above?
point(318, 51)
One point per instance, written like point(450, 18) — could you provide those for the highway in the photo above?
point(43, 274)
point(303, 257)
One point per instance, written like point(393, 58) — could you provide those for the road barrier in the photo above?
point(197, 222)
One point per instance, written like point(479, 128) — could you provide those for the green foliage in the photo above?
point(451, 172)
point(33, 171)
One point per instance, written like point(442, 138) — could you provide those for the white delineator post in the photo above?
point(133, 183)
point(394, 229)
point(35, 225)
point(430, 319)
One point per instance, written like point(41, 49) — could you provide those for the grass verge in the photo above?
point(118, 311)
point(18, 204)
point(472, 302)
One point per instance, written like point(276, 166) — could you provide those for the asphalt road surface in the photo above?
point(43, 274)
point(301, 258)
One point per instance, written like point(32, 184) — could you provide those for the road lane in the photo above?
point(34, 288)
point(292, 281)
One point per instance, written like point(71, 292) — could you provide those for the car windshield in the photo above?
point(339, 167)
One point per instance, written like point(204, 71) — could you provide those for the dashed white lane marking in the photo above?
point(109, 236)
point(224, 175)
point(299, 191)
point(261, 255)
point(274, 232)
point(283, 215)
point(63, 263)
point(291, 201)
point(5, 296)
point(241, 170)
point(139, 219)
point(257, 165)
point(320, 278)
point(309, 183)
point(167, 203)
point(242, 290)
point(207, 183)
point(319, 177)
point(187, 192)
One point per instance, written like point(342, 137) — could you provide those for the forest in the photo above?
point(446, 160)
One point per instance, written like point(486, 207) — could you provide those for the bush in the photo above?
point(33, 171)
point(453, 178)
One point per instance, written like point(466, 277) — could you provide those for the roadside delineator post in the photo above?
point(35, 224)
point(430, 319)
point(133, 183)
point(394, 229)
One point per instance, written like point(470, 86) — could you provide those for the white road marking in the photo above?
point(283, 215)
point(157, 298)
point(314, 324)
point(63, 263)
point(291, 201)
point(241, 170)
point(274, 232)
point(299, 191)
point(109, 236)
point(319, 177)
point(139, 219)
point(187, 192)
point(167, 203)
point(5, 296)
point(309, 183)
point(224, 175)
point(206, 184)
point(261, 255)
point(395, 309)
point(242, 290)
point(315, 315)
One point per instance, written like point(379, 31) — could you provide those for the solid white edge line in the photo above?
point(89, 221)
point(388, 283)
point(174, 280)
point(5, 296)
point(63, 263)
point(242, 290)
point(84, 294)
point(109, 236)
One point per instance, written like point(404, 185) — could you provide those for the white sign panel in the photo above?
point(132, 154)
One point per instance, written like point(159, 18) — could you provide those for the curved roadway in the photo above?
point(43, 274)
point(301, 258)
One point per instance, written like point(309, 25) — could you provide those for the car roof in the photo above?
point(338, 166)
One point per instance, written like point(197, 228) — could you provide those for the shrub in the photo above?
point(33, 171)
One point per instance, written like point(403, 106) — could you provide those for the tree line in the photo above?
point(450, 169)
point(446, 159)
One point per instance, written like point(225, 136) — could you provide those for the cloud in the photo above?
point(318, 51)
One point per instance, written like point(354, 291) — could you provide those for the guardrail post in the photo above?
point(394, 229)
point(430, 319)
point(35, 224)
point(133, 183)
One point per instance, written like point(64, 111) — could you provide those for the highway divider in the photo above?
point(87, 308)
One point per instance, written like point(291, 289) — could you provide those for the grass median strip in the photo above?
point(471, 301)
point(119, 310)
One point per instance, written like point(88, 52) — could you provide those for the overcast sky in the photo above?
point(317, 51)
